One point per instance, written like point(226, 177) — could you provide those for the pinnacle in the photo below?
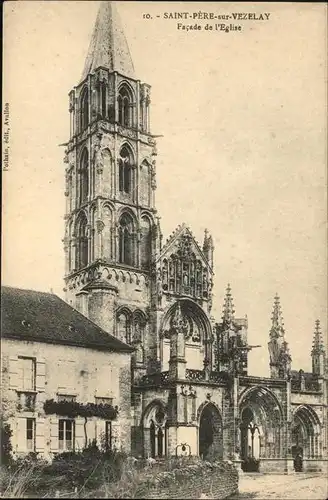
point(228, 307)
point(317, 345)
point(108, 47)
point(277, 328)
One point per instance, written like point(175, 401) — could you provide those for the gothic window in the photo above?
point(145, 243)
point(198, 278)
point(165, 274)
point(84, 176)
point(139, 323)
point(126, 240)
point(103, 99)
point(139, 326)
point(157, 430)
point(123, 327)
point(124, 107)
point(84, 109)
point(125, 170)
point(106, 232)
point(172, 274)
point(82, 243)
point(153, 439)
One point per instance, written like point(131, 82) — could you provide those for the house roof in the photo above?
point(44, 317)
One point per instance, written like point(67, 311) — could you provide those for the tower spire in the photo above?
point(108, 47)
point(280, 358)
point(277, 328)
point(317, 345)
point(228, 308)
point(318, 353)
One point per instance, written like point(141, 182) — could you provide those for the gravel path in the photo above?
point(280, 487)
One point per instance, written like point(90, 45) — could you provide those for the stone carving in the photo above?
point(126, 132)
point(179, 322)
point(185, 247)
point(100, 225)
point(98, 159)
point(153, 174)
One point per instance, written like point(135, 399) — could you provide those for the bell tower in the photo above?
point(110, 223)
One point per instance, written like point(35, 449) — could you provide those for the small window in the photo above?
point(66, 435)
point(30, 434)
point(104, 401)
point(27, 373)
point(108, 435)
point(66, 397)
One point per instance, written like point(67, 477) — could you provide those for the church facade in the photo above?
point(190, 388)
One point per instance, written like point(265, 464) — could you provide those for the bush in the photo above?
point(250, 464)
point(87, 469)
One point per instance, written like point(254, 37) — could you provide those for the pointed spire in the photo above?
point(228, 307)
point(205, 244)
point(208, 241)
point(108, 46)
point(317, 345)
point(277, 329)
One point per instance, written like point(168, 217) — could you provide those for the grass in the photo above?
point(91, 475)
point(83, 476)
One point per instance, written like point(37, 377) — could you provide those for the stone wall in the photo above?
point(62, 370)
point(202, 480)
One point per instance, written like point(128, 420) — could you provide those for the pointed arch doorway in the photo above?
point(210, 432)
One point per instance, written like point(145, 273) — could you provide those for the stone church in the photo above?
point(191, 391)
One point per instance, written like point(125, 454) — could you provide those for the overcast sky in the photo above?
point(243, 153)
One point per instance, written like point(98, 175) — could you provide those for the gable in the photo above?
point(183, 245)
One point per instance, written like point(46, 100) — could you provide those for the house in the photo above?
point(65, 381)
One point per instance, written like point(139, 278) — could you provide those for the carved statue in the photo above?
point(98, 159)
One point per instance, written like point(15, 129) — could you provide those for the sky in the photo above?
point(243, 152)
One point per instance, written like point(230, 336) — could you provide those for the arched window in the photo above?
point(126, 240)
point(124, 107)
point(82, 243)
point(103, 99)
point(145, 243)
point(157, 432)
point(123, 327)
point(84, 109)
point(84, 176)
point(125, 170)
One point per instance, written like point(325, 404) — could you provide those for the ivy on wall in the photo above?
point(74, 409)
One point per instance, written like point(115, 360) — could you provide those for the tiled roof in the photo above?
point(44, 317)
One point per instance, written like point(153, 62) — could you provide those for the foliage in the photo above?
point(83, 471)
point(74, 409)
point(250, 464)
point(6, 447)
point(95, 474)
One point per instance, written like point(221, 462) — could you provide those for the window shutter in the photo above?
point(68, 382)
point(21, 435)
point(15, 381)
point(40, 374)
point(104, 381)
point(39, 434)
point(54, 434)
point(79, 434)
